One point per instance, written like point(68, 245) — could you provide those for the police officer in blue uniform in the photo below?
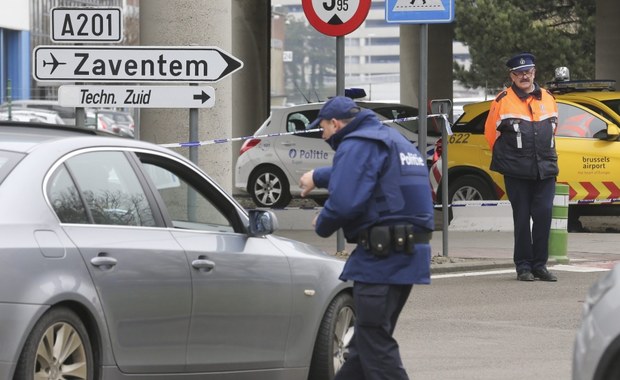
point(379, 194)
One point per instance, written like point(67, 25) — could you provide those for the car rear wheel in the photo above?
point(469, 188)
point(269, 187)
point(57, 348)
point(332, 343)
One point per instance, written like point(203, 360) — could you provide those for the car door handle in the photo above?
point(205, 265)
point(287, 143)
point(105, 262)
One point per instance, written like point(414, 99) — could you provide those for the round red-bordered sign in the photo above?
point(330, 16)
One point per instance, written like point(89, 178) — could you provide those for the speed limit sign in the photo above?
point(336, 17)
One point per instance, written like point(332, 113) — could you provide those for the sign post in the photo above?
point(423, 12)
point(337, 18)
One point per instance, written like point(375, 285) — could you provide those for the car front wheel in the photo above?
point(469, 188)
point(332, 343)
point(269, 188)
point(58, 348)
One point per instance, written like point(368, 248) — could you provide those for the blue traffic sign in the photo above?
point(419, 11)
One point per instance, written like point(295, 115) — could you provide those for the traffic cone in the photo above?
point(558, 237)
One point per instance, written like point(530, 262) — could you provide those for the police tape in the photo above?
point(190, 144)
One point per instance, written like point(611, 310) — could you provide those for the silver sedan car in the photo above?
point(596, 355)
point(121, 259)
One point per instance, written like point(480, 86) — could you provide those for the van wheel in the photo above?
point(269, 187)
point(57, 348)
point(469, 188)
point(332, 343)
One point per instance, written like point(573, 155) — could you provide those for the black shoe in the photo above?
point(544, 275)
point(525, 276)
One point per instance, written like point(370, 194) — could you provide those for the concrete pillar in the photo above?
point(607, 32)
point(439, 62)
point(251, 33)
point(184, 23)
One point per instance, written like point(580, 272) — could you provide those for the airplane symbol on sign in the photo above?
point(55, 63)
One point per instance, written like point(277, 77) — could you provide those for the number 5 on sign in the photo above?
point(343, 5)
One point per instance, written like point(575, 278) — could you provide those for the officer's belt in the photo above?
point(381, 240)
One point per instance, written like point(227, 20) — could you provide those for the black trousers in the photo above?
point(531, 199)
point(374, 353)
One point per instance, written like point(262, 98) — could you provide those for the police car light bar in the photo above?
point(581, 85)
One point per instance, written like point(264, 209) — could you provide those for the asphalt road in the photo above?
point(492, 327)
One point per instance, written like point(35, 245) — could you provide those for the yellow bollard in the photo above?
point(558, 236)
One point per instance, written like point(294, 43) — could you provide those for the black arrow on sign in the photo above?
point(204, 97)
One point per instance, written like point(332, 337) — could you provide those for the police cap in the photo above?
point(339, 108)
point(519, 62)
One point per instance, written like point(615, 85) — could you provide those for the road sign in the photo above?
point(86, 25)
point(137, 96)
point(336, 17)
point(419, 11)
point(132, 64)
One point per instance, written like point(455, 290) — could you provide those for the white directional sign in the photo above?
point(132, 64)
point(86, 25)
point(137, 96)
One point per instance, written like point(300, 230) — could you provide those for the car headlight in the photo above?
point(598, 290)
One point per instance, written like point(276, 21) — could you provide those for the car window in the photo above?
point(475, 126)
point(614, 105)
point(186, 206)
point(298, 121)
point(106, 189)
point(576, 122)
point(8, 160)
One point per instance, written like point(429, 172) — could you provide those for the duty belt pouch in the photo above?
point(410, 239)
point(380, 239)
point(399, 238)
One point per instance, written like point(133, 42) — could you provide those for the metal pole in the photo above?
point(340, 91)
point(422, 104)
point(193, 132)
point(193, 157)
point(9, 99)
point(445, 209)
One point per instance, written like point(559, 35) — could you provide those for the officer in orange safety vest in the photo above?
point(520, 129)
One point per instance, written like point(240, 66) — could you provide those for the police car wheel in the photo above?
point(332, 342)
point(269, 187)
point(469, 188)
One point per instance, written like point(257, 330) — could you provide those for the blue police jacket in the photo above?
point(378, 177)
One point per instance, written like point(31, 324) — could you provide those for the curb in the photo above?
point(470, 264)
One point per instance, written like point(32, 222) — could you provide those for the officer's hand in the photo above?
point(306, 183)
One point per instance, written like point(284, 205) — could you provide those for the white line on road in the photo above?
point(560, 267)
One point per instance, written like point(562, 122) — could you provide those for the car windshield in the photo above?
point(433, 125)
point(117, 116)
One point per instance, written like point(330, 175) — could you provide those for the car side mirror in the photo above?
point(612, 133)
point(262, 222)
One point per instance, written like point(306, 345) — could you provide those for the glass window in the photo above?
point(8, 160)
point(186, 206)
point(298, 121)
point(576, 122)
point(110, 189)
point(65, 198)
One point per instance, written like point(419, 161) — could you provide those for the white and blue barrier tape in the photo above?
point(227, 140)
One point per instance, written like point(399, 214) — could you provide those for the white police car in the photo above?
point(269, 168)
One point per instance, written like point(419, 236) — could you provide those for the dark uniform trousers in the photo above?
point(531, 198)
point(373, 352)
